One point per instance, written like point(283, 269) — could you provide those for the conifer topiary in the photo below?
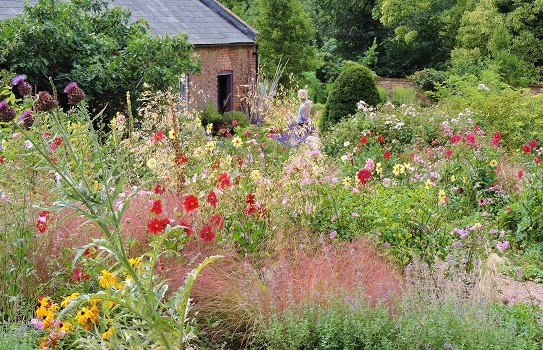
point(355, 83)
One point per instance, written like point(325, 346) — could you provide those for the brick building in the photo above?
point(226, 45)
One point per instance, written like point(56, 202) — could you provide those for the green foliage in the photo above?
point(404, 96)
point(210, 115)
point(396, 130)
point(428, 79)
point(354, 84)
point(383, 93)
point(419, 324)
point(525, 219)
point(285, 37)
point(12, 338)
point(516, 114)
point(100, 48)
point(246, 9)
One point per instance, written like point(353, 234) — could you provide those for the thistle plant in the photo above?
point(132, 309)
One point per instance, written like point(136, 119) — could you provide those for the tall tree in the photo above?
point(286, 36)
point(424, 32)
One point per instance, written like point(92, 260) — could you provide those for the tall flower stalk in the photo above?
point(90, 186)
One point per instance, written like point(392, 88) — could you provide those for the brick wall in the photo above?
point(241, 60)
point(390, 83)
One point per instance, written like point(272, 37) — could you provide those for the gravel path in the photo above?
point(512, 291)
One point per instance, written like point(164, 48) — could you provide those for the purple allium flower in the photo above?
point(15, 81)
point(24, 115)
point(3, 104)
point(70, 86)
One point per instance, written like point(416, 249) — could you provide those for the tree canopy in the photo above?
point(97, 46)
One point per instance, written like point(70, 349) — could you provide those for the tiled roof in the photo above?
point(206, 22)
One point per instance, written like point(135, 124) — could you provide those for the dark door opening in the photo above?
point(224, 91)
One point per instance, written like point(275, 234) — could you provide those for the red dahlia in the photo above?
point(190, 203)
point(206, 233)
point(212, 198)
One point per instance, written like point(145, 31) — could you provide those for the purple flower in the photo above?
point(3, 104)
point(15, 81)
point(24, 115)
point(70, 86)
point(333, 234)
point(462, 233)
point(501, 246)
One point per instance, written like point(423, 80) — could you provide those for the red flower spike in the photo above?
point(190, 203)
point(157, 207)
point(224, 181)
point(180, 159)
point(206, 233)
point(537, 160)
point(216, 221)
point(2, 159)
point(212, 198)
point(250, 209)
point(250, 198)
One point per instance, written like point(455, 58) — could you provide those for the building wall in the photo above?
point(239, 59)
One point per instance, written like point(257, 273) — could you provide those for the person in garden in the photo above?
point(304, 112)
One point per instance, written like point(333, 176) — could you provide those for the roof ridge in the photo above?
point(231, 18)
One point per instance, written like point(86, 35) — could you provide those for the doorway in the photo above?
point(224, 91)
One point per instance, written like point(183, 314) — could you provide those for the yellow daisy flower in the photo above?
point(237, 142)
point(255, 175)
point(107, 279)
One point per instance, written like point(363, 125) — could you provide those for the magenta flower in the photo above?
point(501, 246)
point(70, 86)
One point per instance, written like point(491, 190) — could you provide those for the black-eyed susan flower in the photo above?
point(108, 333)
point(107, 279)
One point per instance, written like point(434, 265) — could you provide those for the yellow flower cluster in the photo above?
point(399, 169)
point(46, 311)
point(86, 317)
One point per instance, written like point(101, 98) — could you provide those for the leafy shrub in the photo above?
point(517, 114)
point(20, 338)
point(210, 115)
point(416, 324)
point(231, 117)
point(404, 96)
point(383, 93)
point(355, 83)
point(98, 46)
point(428, 79)
point(394, 127)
